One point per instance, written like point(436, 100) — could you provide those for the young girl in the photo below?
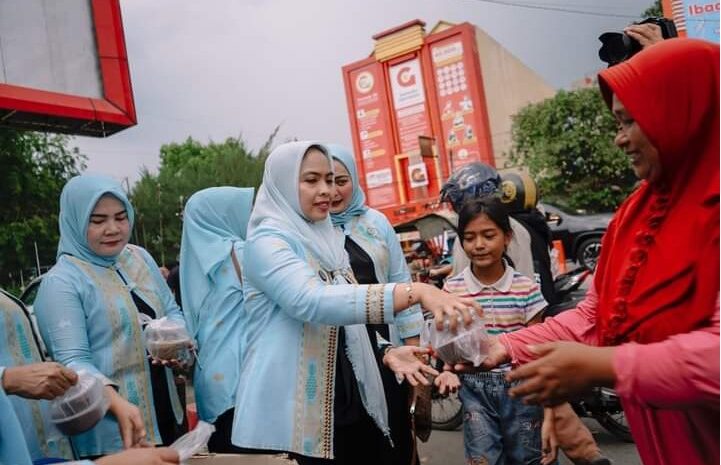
point(497, 428)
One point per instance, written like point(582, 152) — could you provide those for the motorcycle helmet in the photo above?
point(469, 182)
point(518, 191)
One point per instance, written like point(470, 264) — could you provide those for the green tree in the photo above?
point(566, 142)
point(35, 167)
point(184, 169)
point(655, 10)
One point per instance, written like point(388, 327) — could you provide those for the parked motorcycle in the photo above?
point(601, 404)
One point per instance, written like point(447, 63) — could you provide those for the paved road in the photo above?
point(446, 448)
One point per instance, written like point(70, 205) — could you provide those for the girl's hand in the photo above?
point(563, 371)
point(549, 440)
point(447, 307)
point(447, 383)
point(406, 361)
point(130, 420)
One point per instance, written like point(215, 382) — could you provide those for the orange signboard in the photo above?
point(434, 93)
point(372, 137)
point(459, 96)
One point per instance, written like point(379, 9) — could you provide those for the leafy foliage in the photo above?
point(566, 142)
point(184, 169)
point(35, 167)
point(655, 10)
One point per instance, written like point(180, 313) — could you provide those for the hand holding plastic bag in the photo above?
point(168, 342)
point(466, 344)
point(191, 443)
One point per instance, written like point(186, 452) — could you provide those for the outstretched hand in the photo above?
point(497, 355)
point(448, 307)
point(406, 361)
point(149, 456)
point(562, 371)
point(447, 383)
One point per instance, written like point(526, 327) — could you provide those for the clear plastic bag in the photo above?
point(466, 344)
point(167, 340)
point(194, 441)
point(81, 407)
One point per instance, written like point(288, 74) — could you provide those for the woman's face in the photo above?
point(109, 228)
point(631, 139)
point(343, 191)
point(316, 185)
point(484, 242)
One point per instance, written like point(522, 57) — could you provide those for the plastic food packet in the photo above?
point(194, 441)
point(167, 340)
point(466, 344)
point(81, 407)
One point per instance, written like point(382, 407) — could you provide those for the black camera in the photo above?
point(618, 46)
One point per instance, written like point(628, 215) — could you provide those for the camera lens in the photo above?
point(616, 47)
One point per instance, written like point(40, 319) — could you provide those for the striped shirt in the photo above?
point(508, 304)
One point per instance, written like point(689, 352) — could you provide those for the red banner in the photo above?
point(371, 123)
point(453, 72)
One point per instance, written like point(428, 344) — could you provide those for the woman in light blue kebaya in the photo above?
point(375, 257)
point(298, 289)
point(88, 309)
point(19, 346)
point(215, 222)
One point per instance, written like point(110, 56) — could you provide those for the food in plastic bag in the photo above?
point(466, 344)
point(81, 407)
point(167, 340)
point(193, 442)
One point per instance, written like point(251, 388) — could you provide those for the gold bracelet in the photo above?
point(409, 290)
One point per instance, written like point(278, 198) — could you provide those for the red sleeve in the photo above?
point(577, 325)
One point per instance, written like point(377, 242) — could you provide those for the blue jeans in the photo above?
point(498, 430)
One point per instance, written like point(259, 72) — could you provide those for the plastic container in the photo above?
point(167, 340)
point(81, 407)
point(466, 344)
point(193, 441)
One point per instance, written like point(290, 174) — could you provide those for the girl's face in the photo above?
point(484, 242)
point(343, 191)
point(109, 228)
point(631, 139)
point(316, 185)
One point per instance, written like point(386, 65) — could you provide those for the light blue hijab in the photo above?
point(277, 207)
point(357, 205)
point(77, 202)
point(213, 220)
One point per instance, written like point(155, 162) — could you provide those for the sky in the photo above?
point(214, 69)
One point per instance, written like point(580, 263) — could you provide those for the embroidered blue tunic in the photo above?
point(19, 347)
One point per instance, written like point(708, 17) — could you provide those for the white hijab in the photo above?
point(277, 207)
